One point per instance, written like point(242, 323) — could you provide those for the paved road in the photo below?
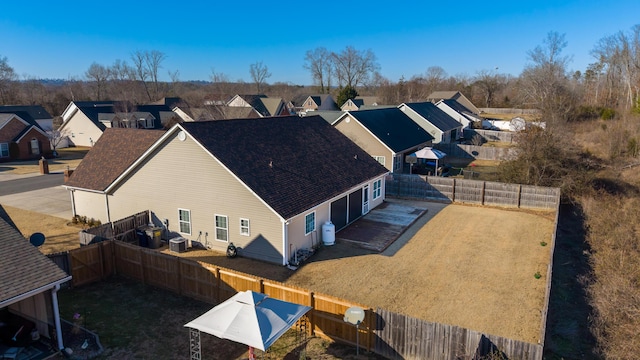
point(34, 192)
point(29, 183)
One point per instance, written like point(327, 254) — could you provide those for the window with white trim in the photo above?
point(377, 189)
point(244, 227)
point(4, 150)
point(309, 223)
point(397, 162)
point(222, 228)
point(379, 159)
point(184, 221)
point(35, 147)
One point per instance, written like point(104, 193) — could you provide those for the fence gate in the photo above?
point(86, 265)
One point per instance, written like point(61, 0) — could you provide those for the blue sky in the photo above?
point(60, 39)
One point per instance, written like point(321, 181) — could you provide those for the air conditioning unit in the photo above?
point(178, 245)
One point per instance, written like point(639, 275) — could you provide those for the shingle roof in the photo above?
point(291, 163)
point(35, 112)
point(23, 267)
point(93, 109)
point(456, 106)
point(392, 127)
point(111, 155)
point(435, 116)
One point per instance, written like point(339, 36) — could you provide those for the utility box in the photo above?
point(178, 245)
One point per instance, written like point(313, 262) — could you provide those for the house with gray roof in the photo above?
point(267, 185)
point(85, 121)
point(436, 96)
point(459, 112)
point(318, 102)
point(21, 137)
point(436, 122)
point(28, 289)
point(386, 134)
point(358, 102)
point(261, 104)
point(35, 113)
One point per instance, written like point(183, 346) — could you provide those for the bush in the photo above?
point(607, 113)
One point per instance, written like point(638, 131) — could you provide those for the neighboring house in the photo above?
point(31, 112)
point(358, 102)
point(388, 135)
point(304, 103)
point(85, 121)
point(264, 106)
point(21, 138)
point(267, 185)
point(436, 122)
point(459, 112)
point(28, 286)
point(329, 116)
point(436, 96)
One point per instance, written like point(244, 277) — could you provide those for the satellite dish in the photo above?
point(182, 136)
point(36, 239)
point(354, 315)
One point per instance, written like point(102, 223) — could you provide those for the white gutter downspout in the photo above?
point(73, 202)
point(56, 316)
point(285, 242)
point(106, 202)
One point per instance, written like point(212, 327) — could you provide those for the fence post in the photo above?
point(312, 304)
point(217, 285)
point(453, 191)
point(519, 195)
point(179, 260)
point(484, 183)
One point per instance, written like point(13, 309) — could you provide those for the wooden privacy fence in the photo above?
point(475, 152)
point(490, 135)
point(471, 191)
point(123, 230)
point(392, 335)
point(403, 337)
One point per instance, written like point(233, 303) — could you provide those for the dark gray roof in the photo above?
point(22, 113)
point(291, 163)
point(457, 106)
point(92, 109)
point(329, 116)
point(435, 116)
point(256, 103)
point(36, 112)
point(23, 267)
point(393, 128)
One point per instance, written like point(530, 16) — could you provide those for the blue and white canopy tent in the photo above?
point(249, 318)
point(430, 154)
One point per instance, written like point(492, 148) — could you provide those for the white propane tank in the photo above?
point(328, 233)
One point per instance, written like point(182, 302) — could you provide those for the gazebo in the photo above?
point(249, 318)
point(430, 154)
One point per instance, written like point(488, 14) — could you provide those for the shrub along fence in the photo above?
point(389, 334)
point(471, 191)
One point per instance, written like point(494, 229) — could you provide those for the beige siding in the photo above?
point(82, 130)
point(296, 227)
point(91, 205)
point(180, 174)
point(363, 138)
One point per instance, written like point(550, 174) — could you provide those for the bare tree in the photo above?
point(353, 67)
point(259, 73)
point(146, 65)
point(99, 76)
point(544, 83)
point(619, 54)
point(57, 137)
point(7, 77)
point(320, 63)
point(489, 83)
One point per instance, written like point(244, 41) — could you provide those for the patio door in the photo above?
point(365, 199)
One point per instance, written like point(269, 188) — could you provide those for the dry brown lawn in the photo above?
point(59, 233)
point(469, 266)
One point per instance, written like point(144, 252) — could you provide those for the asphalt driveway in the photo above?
point(34, 192)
